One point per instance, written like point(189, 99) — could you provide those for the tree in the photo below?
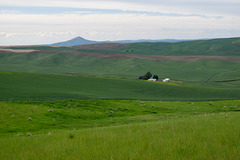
point(141, 77)
point(155, 77)
point(146, 76)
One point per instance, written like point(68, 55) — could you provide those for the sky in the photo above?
point(29, 22)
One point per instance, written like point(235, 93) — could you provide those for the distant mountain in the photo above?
point(79, 41)
point(74, 41)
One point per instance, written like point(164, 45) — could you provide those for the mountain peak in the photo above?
point(79, 38)
point(75, 41)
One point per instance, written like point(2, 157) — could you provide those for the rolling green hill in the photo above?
point(59, 63)
point(94, 62)
point(214, 47)
point(230, 78)
point(29, 86)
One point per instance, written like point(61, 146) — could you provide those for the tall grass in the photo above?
point(209, 136)
point(15, 116)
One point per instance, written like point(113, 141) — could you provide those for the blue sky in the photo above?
point(49, 21)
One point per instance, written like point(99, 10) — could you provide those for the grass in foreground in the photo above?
point(117, 129)
point(207, 136)
point(48, 116)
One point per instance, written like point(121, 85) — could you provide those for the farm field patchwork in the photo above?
point(213, 47)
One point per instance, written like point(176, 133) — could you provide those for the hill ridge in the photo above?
point(80, 41)
point(75, 41)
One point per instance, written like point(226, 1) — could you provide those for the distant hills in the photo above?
point(81, 41)
point(199, 61)
point(212, 47)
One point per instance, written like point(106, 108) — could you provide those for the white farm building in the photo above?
point(166, 80)
point(152, 79)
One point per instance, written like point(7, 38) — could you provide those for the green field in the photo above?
point(193, 72)
point(32, 86)
point(52, 61)
point(215, 47)
point(113, 129)
point(55, 115)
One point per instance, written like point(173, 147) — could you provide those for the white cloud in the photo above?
point(213, 7)
point(51, 34)
point(54, 28)
point(6, 34)
point(117, 20)
point(26, 38)
point(49, 28)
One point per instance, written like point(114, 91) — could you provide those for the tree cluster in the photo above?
point(147, 76)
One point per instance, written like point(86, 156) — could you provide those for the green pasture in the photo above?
point(214, 47)
point(32, 86)
point(55, 115)
point(114, 129)
point(191, 72)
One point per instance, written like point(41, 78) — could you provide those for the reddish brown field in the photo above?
point(17, 50)
point(104, 46)
point(112, 46)
point(150, 57)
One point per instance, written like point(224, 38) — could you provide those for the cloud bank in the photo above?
point(49, 21)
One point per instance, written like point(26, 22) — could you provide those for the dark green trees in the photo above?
point(146, 76)
point(155, 77)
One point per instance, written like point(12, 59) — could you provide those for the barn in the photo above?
point(166, 80)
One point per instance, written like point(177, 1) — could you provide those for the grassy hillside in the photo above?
point(195, 71)
point(119, 130)
point(230, 78)
point(66, 60)
point(215, 47)
point(55, 115)
point(27, 86)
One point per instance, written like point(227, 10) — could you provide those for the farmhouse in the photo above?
point(152, 79)
point(166, 80)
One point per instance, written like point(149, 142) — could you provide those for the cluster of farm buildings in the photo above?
point(164, 80)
